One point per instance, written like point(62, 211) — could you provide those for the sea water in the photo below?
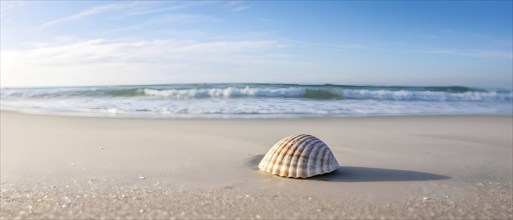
point(257, 100)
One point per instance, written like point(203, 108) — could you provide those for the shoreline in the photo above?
point(195, 117)
point(391, 167)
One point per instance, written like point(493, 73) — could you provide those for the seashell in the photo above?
point(299, 156)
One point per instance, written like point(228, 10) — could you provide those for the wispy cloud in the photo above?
point(472, 53)
point(87, 12)
point(237, 5)
point(137, 9)
point(176, 6)
point(100, 59)
point(7, 7)
point(166, 19)
point(100, 50)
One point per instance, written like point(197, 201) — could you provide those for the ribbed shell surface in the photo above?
point(299, 156)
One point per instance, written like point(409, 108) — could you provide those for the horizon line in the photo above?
point(256, 83)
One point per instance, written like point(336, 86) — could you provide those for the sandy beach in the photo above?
point(58, 167)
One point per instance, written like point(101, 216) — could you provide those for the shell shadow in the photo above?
point(370, 174)
point(362, 174)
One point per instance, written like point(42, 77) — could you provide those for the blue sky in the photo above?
point(104, 43)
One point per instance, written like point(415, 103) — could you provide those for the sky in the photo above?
point(68, 43)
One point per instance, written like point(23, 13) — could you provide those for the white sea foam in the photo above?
point(228, 92)
point(248, 108)
point(426, 95)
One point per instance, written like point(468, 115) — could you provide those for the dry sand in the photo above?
point(391, 167)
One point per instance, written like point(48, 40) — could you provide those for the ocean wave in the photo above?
point(228, 91)
point(328, 94)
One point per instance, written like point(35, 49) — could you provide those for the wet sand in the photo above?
point(391, 167)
